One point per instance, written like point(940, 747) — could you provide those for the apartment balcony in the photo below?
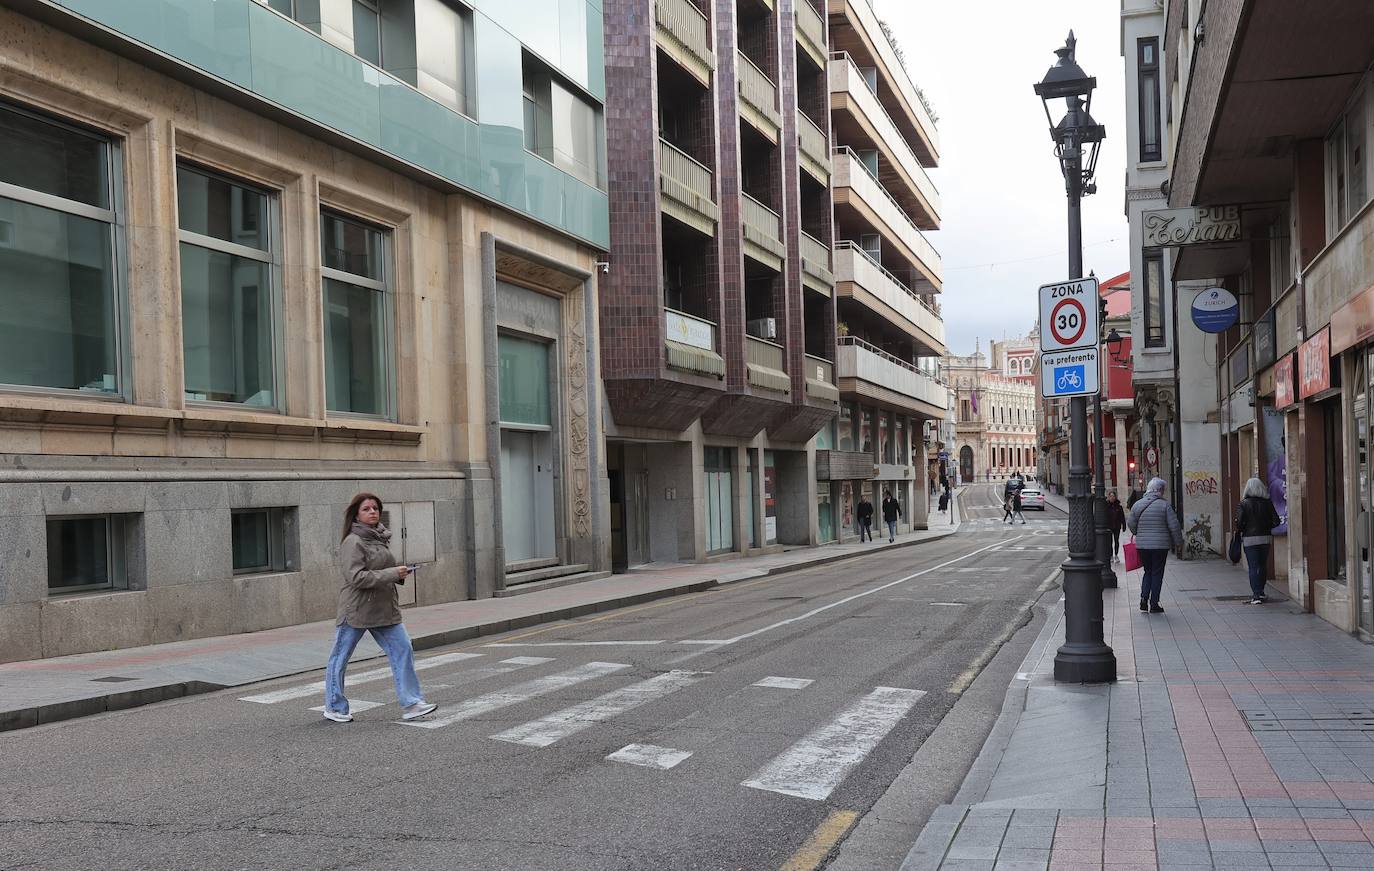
point(691, 344)
point(762, 233)
point(767, 365)
point(857, 190)
point(758, 99)
point(858, 115)
point(872, 373)
point(811, 32)
point(688, 189)
point(856, 31)
point(816, 265)
point(812, 151)
point(863, 279)
point(820, 379)
point(1339, 273)
point(683, 33)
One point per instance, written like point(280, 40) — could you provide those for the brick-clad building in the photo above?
point(717, 313)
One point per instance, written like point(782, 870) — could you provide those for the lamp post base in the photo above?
point(1085, 656)
point(1085, 663)
point(1104, 556)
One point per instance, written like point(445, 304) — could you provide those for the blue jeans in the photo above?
point(394, 641)
point(1257, 561)
point(1152, 561)
point(891, 530)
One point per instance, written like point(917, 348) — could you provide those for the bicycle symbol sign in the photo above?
point(1069, 378)
point(1068, 322)
point(1069, 373)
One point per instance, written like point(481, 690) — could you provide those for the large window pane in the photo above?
point(367, 31)
point(56, 299)
point(250, 534)
point(220, 209)
point(524, 381)
point(226, 327)
point(54, 159)
point(1154, 299)
point(79, 554)
point(576, 136)
point(351, 246)
point(355, 348)
point(441, 52)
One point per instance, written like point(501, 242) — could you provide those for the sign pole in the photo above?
point(1084, 657)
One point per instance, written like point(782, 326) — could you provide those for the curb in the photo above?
point(26, 718)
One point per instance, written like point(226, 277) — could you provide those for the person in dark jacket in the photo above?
point(864, 514)
point(1116, 521)
point(1016, 507)
point(1156, 529)
point(1256, 518)
point(891, 511)
point(368, 603)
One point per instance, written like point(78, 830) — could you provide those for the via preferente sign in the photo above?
point(1068, 315)
point(1179, 228)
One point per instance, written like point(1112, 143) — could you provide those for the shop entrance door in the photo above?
point(1364, 517)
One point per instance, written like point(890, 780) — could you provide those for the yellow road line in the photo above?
point(821, 842)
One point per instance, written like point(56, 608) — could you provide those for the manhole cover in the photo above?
point(112, 679)
point(1230, 598)
point(1307, 724)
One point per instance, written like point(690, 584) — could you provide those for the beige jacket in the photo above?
point(368, 598)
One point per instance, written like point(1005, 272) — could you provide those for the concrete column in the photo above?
point(918, 504)
point(796, 498)
point(1123, 487)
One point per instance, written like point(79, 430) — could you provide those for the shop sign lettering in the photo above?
point(1176, 228)
point(1283, 382)
point(1314, 364)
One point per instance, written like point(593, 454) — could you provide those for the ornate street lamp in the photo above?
point(1084, 657)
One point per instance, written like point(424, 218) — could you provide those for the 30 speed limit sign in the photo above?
point(1068, 315)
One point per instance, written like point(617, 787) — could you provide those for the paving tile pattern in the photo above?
point(1237, 736)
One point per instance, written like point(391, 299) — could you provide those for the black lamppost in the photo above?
point(1104, 534)
point(1084, 657)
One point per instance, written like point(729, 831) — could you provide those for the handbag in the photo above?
point(1130, 556)
point(1233, 552)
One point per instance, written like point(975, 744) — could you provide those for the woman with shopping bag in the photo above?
point(1156, 529)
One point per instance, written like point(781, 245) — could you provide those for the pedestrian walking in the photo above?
point(1156, 529)
point(944, 498)
point(891, 511)
point(368, 602)
point(1016, 507)
point(1116, 521)
point(864, 512)
point(1006, 508)
point(1256, 518)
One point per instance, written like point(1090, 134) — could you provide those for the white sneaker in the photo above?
point(418, 710)
point(337, 717)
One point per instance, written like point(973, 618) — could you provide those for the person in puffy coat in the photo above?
point(368, 602)
point(1256, 518)
point(1155, 526)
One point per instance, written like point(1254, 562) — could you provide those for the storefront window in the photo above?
point(884, 436)
point(845, 427)
point(903, 448)
point(866, 430)
point(825, 437)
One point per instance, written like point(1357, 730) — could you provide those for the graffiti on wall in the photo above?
point(1201, 494)
point(1200, 483)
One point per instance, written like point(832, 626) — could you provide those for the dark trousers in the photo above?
point(1152, 561)
point(1116, 542)
point(1257, 561)
point(866, 528)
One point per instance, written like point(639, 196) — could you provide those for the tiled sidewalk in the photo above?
point(1237, 736)
point(46, 690)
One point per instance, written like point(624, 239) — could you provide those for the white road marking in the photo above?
point(573, 643)
point(493, 701)
point(354, 707)
point(571, 720)
point(822, 609)
point(353, 680)
point(984, 569)
point(951, 604)
point(649, 756)
point(815, 765)
point(505, 666)
point(785, 683)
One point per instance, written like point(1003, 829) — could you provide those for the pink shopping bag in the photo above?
point(1128, 553)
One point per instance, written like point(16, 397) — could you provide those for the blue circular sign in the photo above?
point(1215, 310)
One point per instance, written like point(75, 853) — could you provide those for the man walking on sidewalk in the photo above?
point(864, 513)
point(891, 511)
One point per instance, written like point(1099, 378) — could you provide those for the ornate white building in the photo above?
point(995, 411)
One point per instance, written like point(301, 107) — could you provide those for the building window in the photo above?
point(846, 427)
point(562, 127)
point(1154, 298)
point(1147, 73)
point(866, 430)
point(86, 553)
point(59, 300)
point(443, 53)
point(884, 436)
point(357, 316)
point(902, 446)
point(367, 31)
point(1346, 187)
point(258, 539)
point(228, 307)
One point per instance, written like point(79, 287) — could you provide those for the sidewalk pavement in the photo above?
point(47, 690)
point(1236, 736)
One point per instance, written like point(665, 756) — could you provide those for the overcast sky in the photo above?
point(1003, 231)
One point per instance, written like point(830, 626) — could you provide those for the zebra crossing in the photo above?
point(811, 768)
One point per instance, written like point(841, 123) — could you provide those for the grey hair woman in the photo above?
point(1155, 526)
point(1256, 518)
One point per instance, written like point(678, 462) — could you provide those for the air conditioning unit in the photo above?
point(763, 328)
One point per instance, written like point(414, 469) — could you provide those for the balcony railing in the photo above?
point(690, 343)
point(845, 78)
point(815, 154)
point(690, 185)
point(766, 362)
point(815, 263)
point(854, 264)
point(758, 98)
point(901, 83)
point(851, 172)
point(685, 34)
point(820, 379)
point(811, 31)
point(762, 232)
point(857, 359)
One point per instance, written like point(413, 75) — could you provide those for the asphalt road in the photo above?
point(638, 739)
